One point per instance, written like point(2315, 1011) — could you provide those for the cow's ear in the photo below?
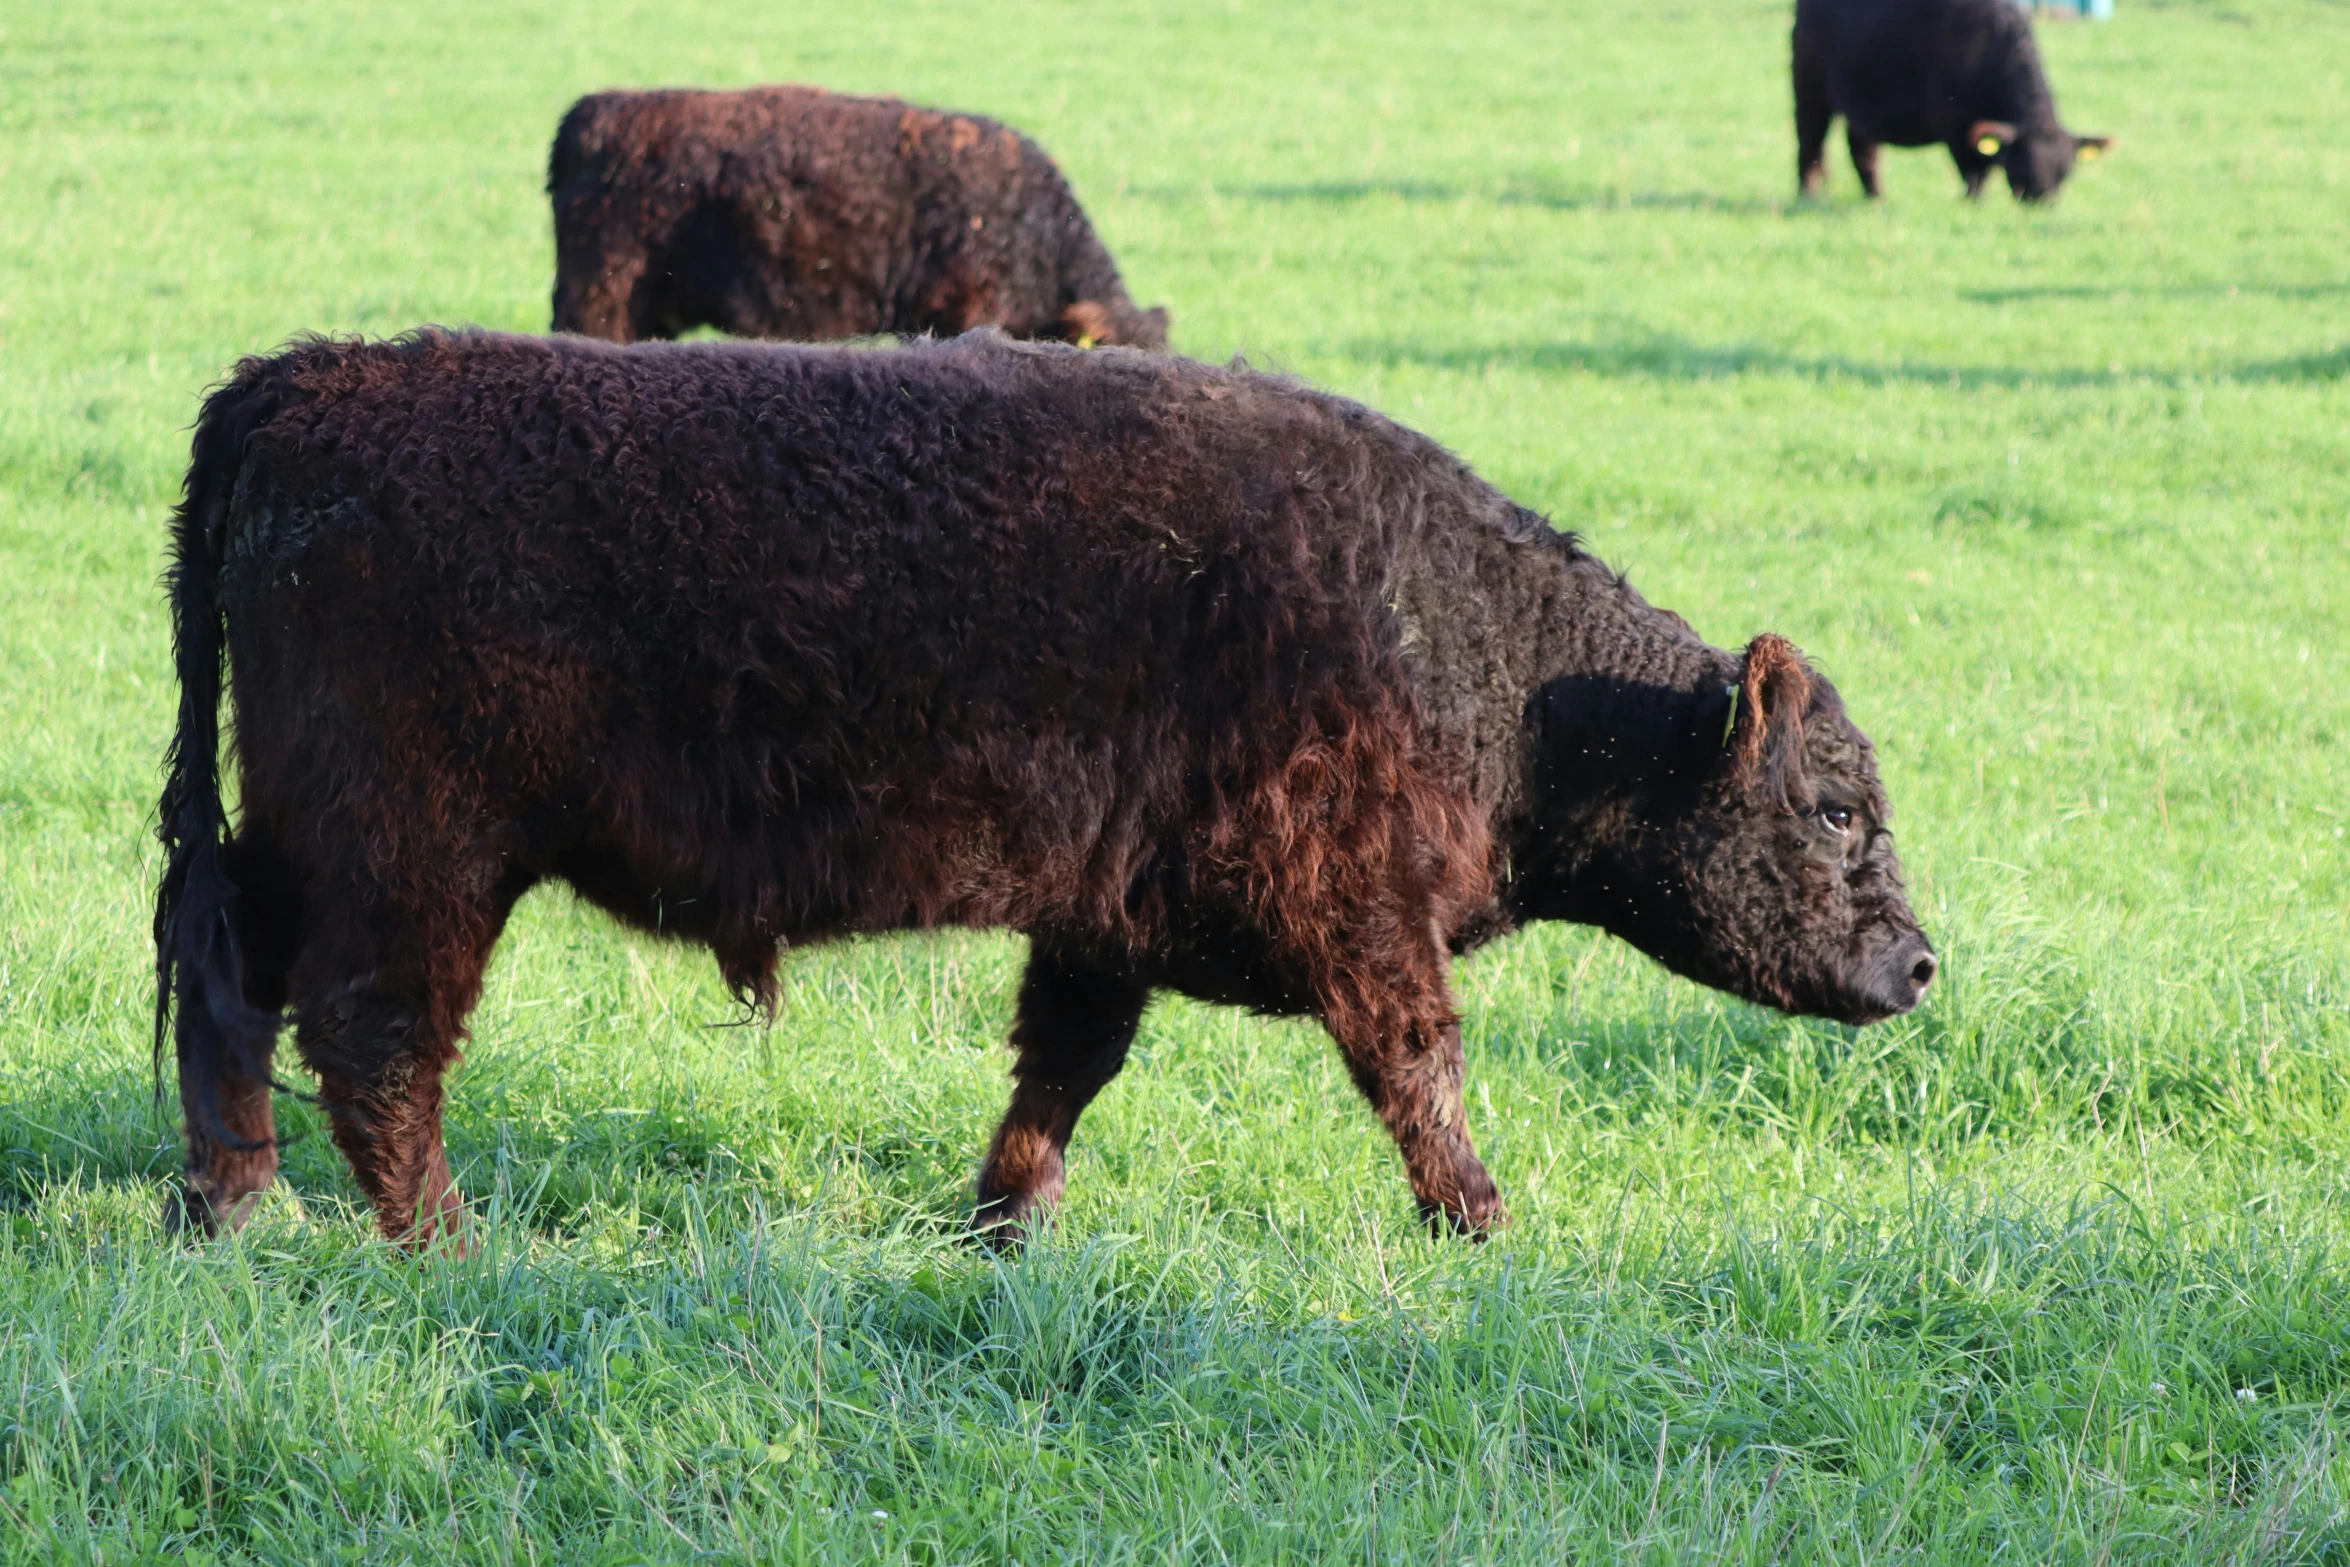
point(1990, 137)
point(1771, 699)
point(2090, 148)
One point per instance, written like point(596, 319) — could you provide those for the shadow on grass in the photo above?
point(2010, 296)
point(1537, 196)
point(2333, 366)
point(1668, 356)
point(651, 1156)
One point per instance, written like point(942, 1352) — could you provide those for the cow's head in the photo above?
point(2035, 161)
point(1738, 835)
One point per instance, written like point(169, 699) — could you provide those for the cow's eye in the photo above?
point(1838, 818)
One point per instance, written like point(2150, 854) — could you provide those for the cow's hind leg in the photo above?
point(597, 280)
point(1813, 112)
point(380, 1000)
point(1076, 1021)
point(233, 990)
point(1864, 158)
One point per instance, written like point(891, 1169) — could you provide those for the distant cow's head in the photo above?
point(2035, 161)
point(1094, 323)
point(1751, 851)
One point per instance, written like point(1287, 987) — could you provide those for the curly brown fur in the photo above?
point(1203, 680)
point(791, 212)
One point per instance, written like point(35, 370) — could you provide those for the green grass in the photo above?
point(2056, 1270)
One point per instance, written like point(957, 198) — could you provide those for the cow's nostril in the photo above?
point(1923, 974)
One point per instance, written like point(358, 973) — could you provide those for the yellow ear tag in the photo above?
point(2089, 154)
point(1988, 146)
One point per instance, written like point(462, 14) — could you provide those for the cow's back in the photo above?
point(951, 630)
point(1918, 72)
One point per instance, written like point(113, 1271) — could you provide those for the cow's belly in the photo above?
point(1907, 119)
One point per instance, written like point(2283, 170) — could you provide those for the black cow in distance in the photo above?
point(1962, 74)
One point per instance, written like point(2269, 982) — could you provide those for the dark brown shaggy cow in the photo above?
point(792, 212)
point(1201, 679)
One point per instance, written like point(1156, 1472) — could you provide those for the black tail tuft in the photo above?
point(568, 158)
point(199, 967)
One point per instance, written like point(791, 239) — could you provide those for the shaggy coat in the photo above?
point(1201, 679)
point(1962, 74)
point(791, 212)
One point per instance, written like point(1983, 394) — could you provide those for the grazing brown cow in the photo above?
point(792, 212)
point(1203, 680)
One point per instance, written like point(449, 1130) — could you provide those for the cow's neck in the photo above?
point(1623, 688)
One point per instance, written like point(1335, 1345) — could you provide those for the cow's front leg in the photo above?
point(1973, 167)
point(1076, 1020)
point(1404, 1052)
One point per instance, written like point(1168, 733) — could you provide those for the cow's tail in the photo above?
point(199, 963)
point(567, 158)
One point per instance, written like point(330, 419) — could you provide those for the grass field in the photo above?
point(2057, 1270)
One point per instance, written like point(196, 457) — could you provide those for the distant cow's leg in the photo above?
point(1973, 167)
point(380, 1000)
point(1864, 158)
point(224, 1056)
point(596, 288)
point(1402, 1044)
point(1075, 1023)
point(1813, 112)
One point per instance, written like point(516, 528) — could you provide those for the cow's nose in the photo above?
point(1898, 980)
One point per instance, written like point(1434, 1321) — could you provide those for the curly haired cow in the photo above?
point(791, 212)
point(1203, 680)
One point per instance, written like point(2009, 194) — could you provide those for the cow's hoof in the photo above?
point(445, 1230)
point(453, 1241)
point(1470, 1224)
point(1009, 1220)
point(189, 1214)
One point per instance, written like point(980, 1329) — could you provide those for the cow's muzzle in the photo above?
point(1898, 978)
